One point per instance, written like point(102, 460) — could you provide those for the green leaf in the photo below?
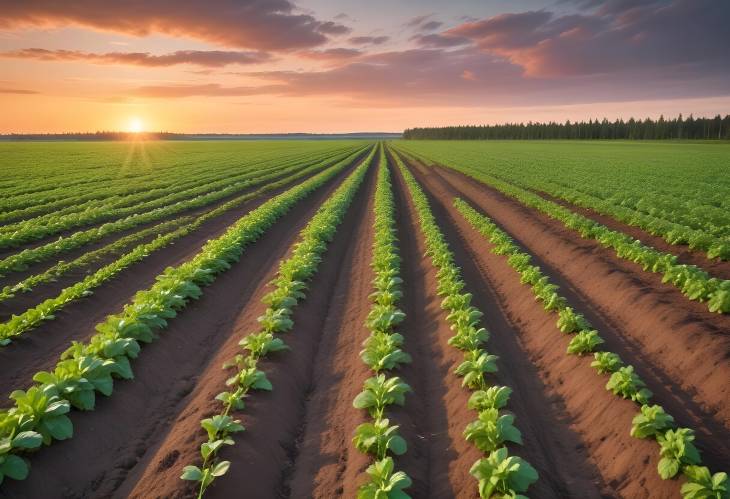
point(27, 440)
point(221, 468)
point(14, 467)
point(192, 473)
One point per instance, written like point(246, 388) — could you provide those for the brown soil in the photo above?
point(598, 422)
point(285, 430)
point(696, 396)
point(716, 268)
point(113, 444)
point(297, 441)
point(23, 301)
point(677, 335)
point(75, 322)
point(442, 457)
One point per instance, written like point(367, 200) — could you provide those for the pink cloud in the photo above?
point(258, 24)
point(209, 58)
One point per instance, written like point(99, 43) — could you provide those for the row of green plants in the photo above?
point(694, 283)
point(62, 267)
point(195, 195)
point(20, 261)
point(658, 222)
point(39, 414)
point(21, 323)
point(119, 206)
point(498, 473)
point(68, 193)
point(290, 285)
point(383, 352)
point(676, 448)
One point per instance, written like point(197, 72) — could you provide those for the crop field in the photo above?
point(347, 318)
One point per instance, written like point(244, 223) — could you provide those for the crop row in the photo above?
point(39, 414)
point(498, 473)
point(677, 451)
point(146, 203)
point(695, 283)
point(152, 184)
point(97, 172)
point(21, 260)
point(62, 267)
point(383, 352)
point(668, 223)
point(18, 324)
point(290, 285)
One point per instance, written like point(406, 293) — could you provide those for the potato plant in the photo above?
point(496, 473)
point(87, 368)
point(676, 448)
point(290, 285)
point(382, 352)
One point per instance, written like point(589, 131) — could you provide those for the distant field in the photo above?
point(436, 309)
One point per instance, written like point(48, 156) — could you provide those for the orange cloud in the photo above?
point(266, 25)
point(207, 58)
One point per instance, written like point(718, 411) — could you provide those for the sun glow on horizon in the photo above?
point(136, 125)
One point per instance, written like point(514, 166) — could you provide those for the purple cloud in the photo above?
point(258, 24)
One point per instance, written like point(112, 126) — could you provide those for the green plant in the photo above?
point(650, 421)
point(701, 484)
point(584, 342)
point(676, 450)
point(476, 365)
point(491, 430)
point(606, 362)
point(384, 483)
point(503, 474)
point(379, 392)
point(626, 383)
point(494, 397)
point(379, 437)
point(570, 321)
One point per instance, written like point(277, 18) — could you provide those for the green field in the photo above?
point(386, 319)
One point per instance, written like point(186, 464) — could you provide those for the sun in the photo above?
point(136, 125)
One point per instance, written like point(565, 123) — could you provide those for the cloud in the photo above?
point(616, 37)
point(257, 24)
point(430, 26)
point(206, 58)
point(417, 21)
point(210, 90)
point(435, 40)
point(18, 91)
point(465, 77)
point(331, 55)
point(369, 40)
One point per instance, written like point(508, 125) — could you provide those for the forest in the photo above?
point(647, 129)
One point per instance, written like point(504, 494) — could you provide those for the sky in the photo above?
point(272, 66)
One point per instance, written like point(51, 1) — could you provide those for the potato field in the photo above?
point(360, 319)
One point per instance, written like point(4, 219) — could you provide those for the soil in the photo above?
point(113, 445)
point(686, 255)
point(696, 392)
point(297, 441)
point(76, 321)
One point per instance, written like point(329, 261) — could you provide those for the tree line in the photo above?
point(648, 129)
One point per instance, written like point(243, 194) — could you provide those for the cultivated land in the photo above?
point(436, 319)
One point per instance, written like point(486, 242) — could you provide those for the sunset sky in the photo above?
point(337, 66)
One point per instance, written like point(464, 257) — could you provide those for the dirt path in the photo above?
point(715, 268)
point(551, 445)
point(21, 359)
point(598, 421)
point(688, 346)
point(266, 457)
point(115, 441)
